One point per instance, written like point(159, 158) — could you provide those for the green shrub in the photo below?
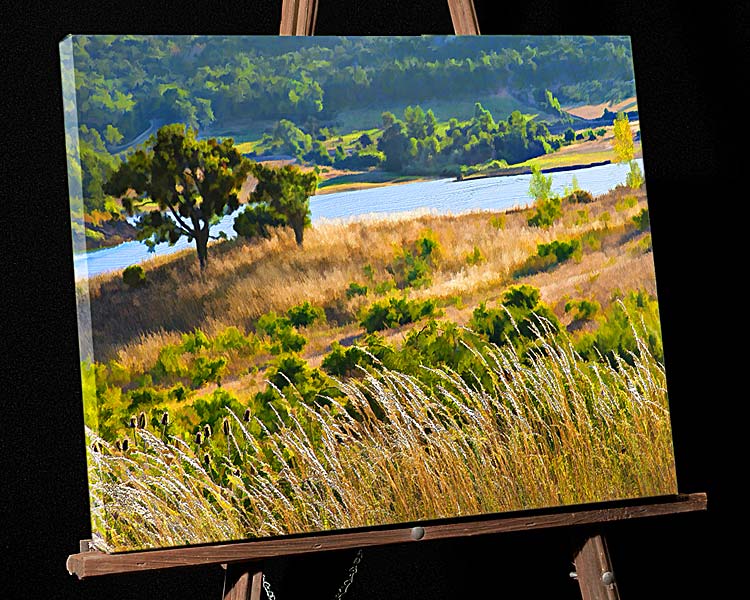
point(288, 339)
point(118, 374)
point(233, 339)
point(195, 341)
point(634, 179)
point(583, 310)
point(440, 345)
point(410, 270)
point(641, 246)
point(355, 289)
point(498, 221)
point(178, 393)
point(517, 319)
point(290, 371)
point(412, 267)
point(257, 220)
point(212, 409)
point(475, 257)
point(582, 216)
point(360, 161)
point(393, 311)
point(592, 239)
point(134, 276)
point(284, 337)
point(547, 256)
point(579, 197)
point(305, 314)
point(615, 337)
point(642, 220)
point(270, 323)
point(540, 186)
point(546, 212)
point(428, 247)
point(626, 203)
point(170, 362)
point(207, 369)
point(342, 361)
point(385, 286)
point(561, 250)
point(145, 396)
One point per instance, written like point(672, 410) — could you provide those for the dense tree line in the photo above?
point(123, 82)
point(126, 85)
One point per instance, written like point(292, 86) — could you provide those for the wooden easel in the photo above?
point(243, 561)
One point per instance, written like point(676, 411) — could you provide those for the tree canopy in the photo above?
point(286, 192)
point(623, 140)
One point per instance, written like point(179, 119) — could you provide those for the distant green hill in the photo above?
point(124, 82)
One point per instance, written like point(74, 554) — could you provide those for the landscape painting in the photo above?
point(340, 282)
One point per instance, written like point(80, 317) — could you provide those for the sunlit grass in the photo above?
point(550, 430)
point(245, 280)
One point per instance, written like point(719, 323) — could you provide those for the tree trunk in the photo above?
point(297, 223)
point(201, 246)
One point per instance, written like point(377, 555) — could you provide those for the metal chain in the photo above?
point(267, 588)
point(352, 572)
point(342, 590)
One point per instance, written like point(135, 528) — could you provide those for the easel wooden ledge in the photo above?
point(243, 560)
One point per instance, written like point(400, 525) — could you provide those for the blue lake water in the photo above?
point(442, 196)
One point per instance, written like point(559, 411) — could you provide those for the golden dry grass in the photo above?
point(549, 431)
point(247, 279)
point(594, 111)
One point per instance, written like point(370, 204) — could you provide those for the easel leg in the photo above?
point(243, 582)
point(594, 570)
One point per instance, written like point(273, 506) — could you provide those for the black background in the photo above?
point(689, 113)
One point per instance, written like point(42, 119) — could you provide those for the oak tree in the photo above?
point(192, 183)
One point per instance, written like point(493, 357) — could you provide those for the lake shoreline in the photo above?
point(510, 172)
point(356, 186)
point(442, 196)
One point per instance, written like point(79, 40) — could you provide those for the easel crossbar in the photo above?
point(93, 564)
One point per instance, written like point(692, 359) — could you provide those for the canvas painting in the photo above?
point(339, 282)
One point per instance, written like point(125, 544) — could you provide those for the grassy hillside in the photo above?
point(246, 280)
point(271, 428)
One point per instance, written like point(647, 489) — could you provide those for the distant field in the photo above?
point(582, 152)
point(594, 111)
point(363, 180)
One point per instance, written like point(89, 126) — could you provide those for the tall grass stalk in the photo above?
point(551, 429)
